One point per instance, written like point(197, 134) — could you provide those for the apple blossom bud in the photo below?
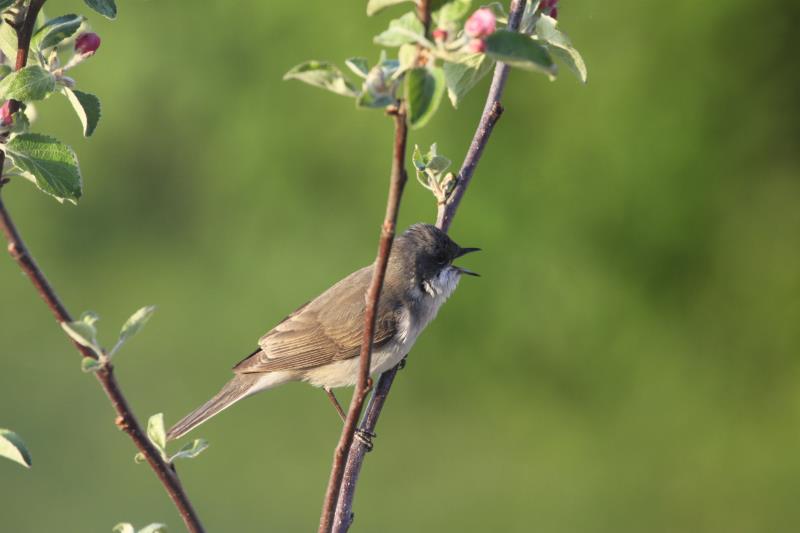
point(481, 23)
point(439, 34)
point(5, 114)
point(87, 43)
point(476, 46)
point(554, 12)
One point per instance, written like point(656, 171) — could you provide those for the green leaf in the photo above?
point(19, 122)
point(463, 76)
point(5, 4)
point(13, 447)
point(136, 322)
point(30, 83)
point(89, 364)
point(139, 458)
point(8, 41)
point(374, 6)
point(451, 12)
point(156, 433)
point(424, 88)
point(322, 74)
point(56, 31)
point(403, 30)
point(5, 70)
point(87, 107)
point(358, 65)
point(124, 527)
point(153, 528)
point(51, 165)
point(561, 47)
point(518, 50)
point(191, 450)
point(81, 332)
point(107, 8)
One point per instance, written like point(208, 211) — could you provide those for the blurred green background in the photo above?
point(627, 363)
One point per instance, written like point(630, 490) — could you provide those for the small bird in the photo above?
point(320, 342)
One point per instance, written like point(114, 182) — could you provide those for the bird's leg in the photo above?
point(365, 437)
point(335, 403)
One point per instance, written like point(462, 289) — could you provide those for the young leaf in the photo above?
point(12, 447)
point(5, 4)
point(424, 88)
point(374, 6)
point(87, 107)
point(520, 51)
point(107, 8)
point(136, 322)
point(560, 46)
point(191, 450)
point(463, 76)
point(19, 122)
point(321, 74)
point(139, 458)
point(82, 333)
point(452, 12)
point(124, 527)
point(57, 30)
point(358, 65)
point(153, 528)
point(406, 29)
point(156, 433)
point(30, 83)
point(89, 364)
point(51, 165)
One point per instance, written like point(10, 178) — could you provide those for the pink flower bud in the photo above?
point(5, 114)
point(439, 34)
point(548, 7)
point(554, 12)
point(480, 24)
point(87, 43)
point(476, 46)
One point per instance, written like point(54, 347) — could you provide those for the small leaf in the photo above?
point(19, 122)
point(322, 74)
point(191, 450)
point(12, 447)
point(30, 83)
point(461, 77)
point(424, 88)
point(155, 430)
point(81, 332)
point(136, 322)
point(139, 458)
point(403, 30)
point(56, 31)
point(87, 107)
point(107, 8)
point(5, 70)
point(452, 12)
point(560, 46)
point(374, 6)
point(358, 65)
point(153, 528)
point(8, 41)
point(51, 165)
point(90, 317)
point(518, 50)
point(5, 4)
point(124, 527)
point(89, 364)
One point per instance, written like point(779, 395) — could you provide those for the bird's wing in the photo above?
point(327, 329)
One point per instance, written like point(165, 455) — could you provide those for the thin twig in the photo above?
point(398, 181)
point(125, 420)
point(491, 113)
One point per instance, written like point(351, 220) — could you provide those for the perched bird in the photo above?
point(320, 342)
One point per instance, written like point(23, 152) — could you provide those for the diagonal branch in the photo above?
point(125, 420)
point(398, 181)
point(491, 114)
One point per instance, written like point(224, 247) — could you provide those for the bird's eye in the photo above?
point(442, 258)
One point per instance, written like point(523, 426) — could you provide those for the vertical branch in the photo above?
point(398, 181)
point(492, 111)
point(125, 420)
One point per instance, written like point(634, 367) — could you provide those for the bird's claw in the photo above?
point(364, 437)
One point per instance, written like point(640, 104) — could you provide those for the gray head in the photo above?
point(429, 252)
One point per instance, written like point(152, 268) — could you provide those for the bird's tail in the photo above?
point(241, 386)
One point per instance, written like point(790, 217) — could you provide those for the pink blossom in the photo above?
point(549, 7)
point(5, 114)
point(477, 46)
point(480, 24)
point(439, 34)
point(87, 43)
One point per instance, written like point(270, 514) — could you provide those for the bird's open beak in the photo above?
point(464, 251)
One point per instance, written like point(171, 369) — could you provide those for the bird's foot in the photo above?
point(402, 363)
point(364, 437)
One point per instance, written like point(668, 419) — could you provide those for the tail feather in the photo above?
point(239, 387)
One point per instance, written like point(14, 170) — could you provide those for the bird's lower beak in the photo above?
point(464, 251)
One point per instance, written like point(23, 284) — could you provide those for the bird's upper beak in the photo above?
point(464, 251)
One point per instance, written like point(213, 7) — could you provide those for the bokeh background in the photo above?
point(627, 363)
